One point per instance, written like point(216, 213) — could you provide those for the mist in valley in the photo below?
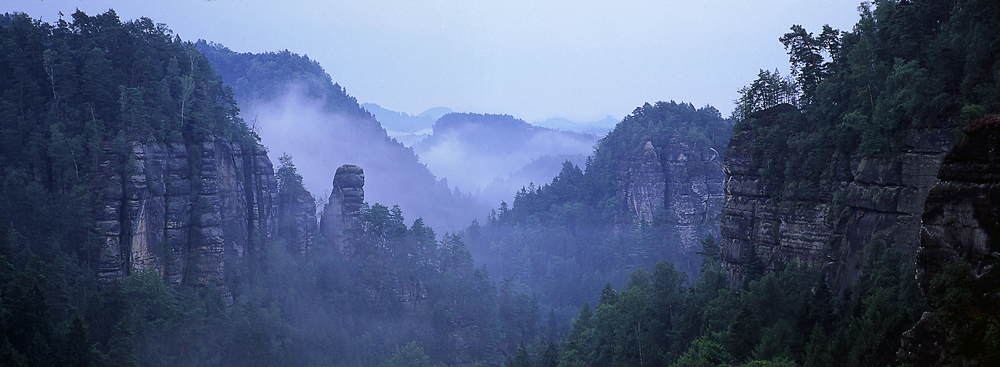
point(482, 160)
point(540, 189)
point(319, 142)
point(489, 155)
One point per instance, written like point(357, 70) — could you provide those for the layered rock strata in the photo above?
point(961, 223)
point(866, 200)
point(182, 210)
point(297, 220)
point(642, 183)
point(342, 214)
point(684, 182)
point(694, 193)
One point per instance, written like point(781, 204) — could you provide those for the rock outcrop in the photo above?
point(182, 210)
point(961, 218)
point(342, 214)
point(684, 182)
point(865, 200)
point(642, 184)
point(342, 217)
point(961, 223)
point(695, 193)
point(297, 220)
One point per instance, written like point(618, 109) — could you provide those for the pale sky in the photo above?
point(580, 60)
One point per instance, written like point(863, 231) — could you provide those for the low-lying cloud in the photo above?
point(477, 152)
point(319, 142)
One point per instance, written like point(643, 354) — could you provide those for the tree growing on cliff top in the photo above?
point(812, 58)
point(769, 90)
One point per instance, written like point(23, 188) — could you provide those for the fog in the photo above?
point(480, 153)
point(477, 160)
point(467, 166)
point(539, 171)
point(319, 142)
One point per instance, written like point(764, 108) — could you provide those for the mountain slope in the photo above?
point(295, 107)
point(473, 150)
point(651, 191)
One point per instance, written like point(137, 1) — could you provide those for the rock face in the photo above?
point(961, 222)
point(342, 214)
point(642, 183)
point(685, 182)
point(183, 210)
point(695, 193)
point(297, 220)
point(866, 200)
point(342, 217)
point(961, 219)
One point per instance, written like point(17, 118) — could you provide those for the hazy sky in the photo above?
point(535, 60)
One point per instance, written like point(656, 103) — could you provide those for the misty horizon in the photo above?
point(296, 125)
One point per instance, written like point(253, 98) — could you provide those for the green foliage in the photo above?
point(75, 94)
point(753, 268)
point(78, 350)
point(972, 334)
point(788, 317)
point(267, 76)
point(806, 54)
point(520, 359)
point(408, 355)
point(905, 65)
point(769, 90)
point(80, 93)
point(566, 239)
point(289, 180)
point(663, 124)
point(704, 353)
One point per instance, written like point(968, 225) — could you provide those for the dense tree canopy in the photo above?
point(76, 91)
point(568, 238)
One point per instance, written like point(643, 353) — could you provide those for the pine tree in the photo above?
point(122, 351)
point(79, 351)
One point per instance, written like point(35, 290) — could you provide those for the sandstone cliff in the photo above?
point(642, 183)
point(342, 214)
point(961, 223)
point(860, 201)
point(297, 220)
point(183, 210)
point(685, 183)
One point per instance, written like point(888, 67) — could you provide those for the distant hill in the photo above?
point(406, 128)
point(473, 150)
point(599, 128)
point(435, 113)
point(536, 173)
point(402, 121)
point(650, 191)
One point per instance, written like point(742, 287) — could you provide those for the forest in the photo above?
point(566, 274)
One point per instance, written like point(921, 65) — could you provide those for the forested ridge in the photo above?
point(869, 92)
point(568, 238)
point(905, 65)
point(580, 282)
point(76, 91)
point(72, 92)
